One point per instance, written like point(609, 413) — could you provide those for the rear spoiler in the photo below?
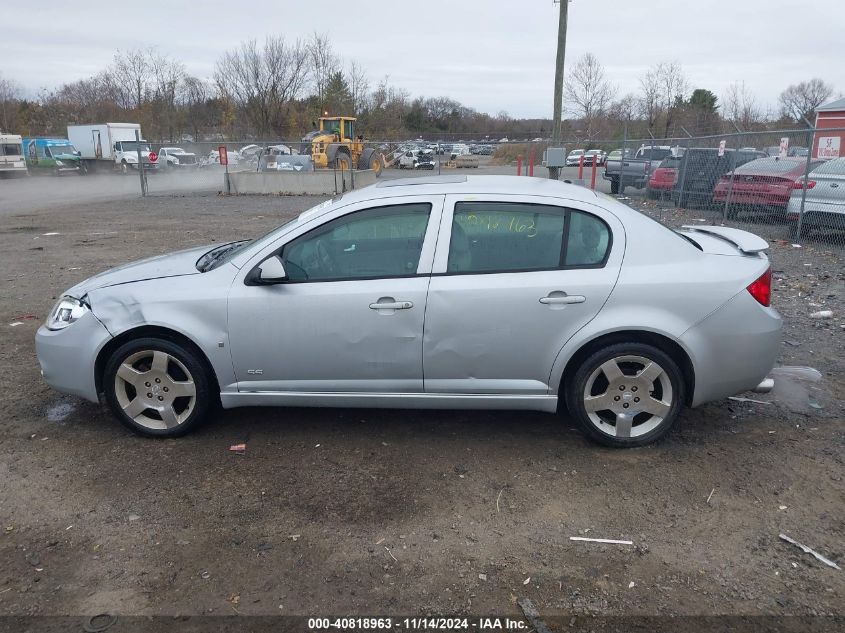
point(746, 242)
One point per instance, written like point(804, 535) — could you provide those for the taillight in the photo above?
point(761, 289)
point(799, 184)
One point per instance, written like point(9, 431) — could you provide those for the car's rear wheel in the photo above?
point(157, 387)
point(627, 394)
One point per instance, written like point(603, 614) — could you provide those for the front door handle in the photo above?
point(388, 303)
point(561, 298)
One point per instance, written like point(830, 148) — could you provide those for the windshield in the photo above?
point(222, 254)
point(654, 153)
point(132, 146)
point(56, 150)
point(173, 150)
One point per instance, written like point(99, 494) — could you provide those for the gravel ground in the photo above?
point(404, 512)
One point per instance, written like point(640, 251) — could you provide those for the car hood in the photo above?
point(158, 267)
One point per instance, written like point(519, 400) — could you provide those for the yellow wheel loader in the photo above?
point(334, 145)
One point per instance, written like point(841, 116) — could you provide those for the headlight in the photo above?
point(59, 163)
point(68, 310)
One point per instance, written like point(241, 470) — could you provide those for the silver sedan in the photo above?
point(454, 292)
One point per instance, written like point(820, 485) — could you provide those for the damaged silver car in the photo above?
point(454, 292)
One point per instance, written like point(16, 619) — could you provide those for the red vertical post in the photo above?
point(581, 168)
point(593, 176)
point(531, 164)
point(519, 164)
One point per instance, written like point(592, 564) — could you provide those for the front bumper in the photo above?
point(67, 357)
point(734, 349)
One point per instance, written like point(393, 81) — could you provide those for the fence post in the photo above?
point(519, 164)
point(732, 163)
point(682, 168)
point(804, 186)
point(581, 168)
point(140, 163)
point(593, 176)
point(531, 163)
point(620, 190)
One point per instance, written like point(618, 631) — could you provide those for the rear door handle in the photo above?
point(392, 305)
point(562, 299)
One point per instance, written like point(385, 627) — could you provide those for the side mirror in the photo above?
point(272, 271)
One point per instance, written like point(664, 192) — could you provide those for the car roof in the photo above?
point(465, 185)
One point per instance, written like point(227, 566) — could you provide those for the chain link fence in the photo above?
point(784, 185)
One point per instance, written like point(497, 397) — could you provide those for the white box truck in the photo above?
point(112, 145)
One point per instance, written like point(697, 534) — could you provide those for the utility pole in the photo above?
point(554, 172)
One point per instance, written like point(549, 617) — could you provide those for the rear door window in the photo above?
point(514, 237)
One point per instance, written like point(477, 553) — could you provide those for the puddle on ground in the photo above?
point(58, 412)
point(795, 389)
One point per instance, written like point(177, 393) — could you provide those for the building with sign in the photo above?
point(829, 117)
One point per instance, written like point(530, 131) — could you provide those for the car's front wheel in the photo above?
point(157, 387)
point(627, 394)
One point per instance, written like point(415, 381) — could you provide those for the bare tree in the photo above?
point(263, 80)
point(587, 90)
point(9, 94)
point(650, 101)
point(131, 73)
point(674, 87)
point(664, 88)
point(323, 64)
point(740, 107)
point(359, 85)
point(800, 101)
point(167, 75)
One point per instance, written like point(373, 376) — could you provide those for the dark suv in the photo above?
point(701, 168)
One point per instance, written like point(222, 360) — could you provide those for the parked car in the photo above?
point(212, 159)
point(573, 158)
point(635, 171)
point(594, 155)
point(824, 207)
point(458, 149)
point(417, 159)
point(663, 178)
point(177, 158)
point(486, 292)
point(763, 185)
point(617, 154)
point(701, 168)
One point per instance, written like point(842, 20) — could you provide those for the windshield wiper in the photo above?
point(214, 255)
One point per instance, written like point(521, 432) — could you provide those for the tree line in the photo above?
point(277, 88)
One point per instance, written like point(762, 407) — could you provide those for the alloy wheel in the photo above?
point(155, 389)
point(628, 396)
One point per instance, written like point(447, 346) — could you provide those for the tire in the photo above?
point(591, 380)
point(369, 159)
point(651, 194)
point(614, 185)
point(343, 160)
point(124, 167)
point(165, 368)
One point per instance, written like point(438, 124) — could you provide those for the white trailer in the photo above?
point(110, 143)
point(12, 160)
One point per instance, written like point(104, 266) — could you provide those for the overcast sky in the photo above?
point(491, 55)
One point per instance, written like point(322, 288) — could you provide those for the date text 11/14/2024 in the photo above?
point(417, 624)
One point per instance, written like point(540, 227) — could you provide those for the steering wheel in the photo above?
point(324, 257)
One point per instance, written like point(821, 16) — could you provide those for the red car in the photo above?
point(663, 178)
point(763, 184)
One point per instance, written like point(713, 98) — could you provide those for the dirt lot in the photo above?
point(404, 512)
